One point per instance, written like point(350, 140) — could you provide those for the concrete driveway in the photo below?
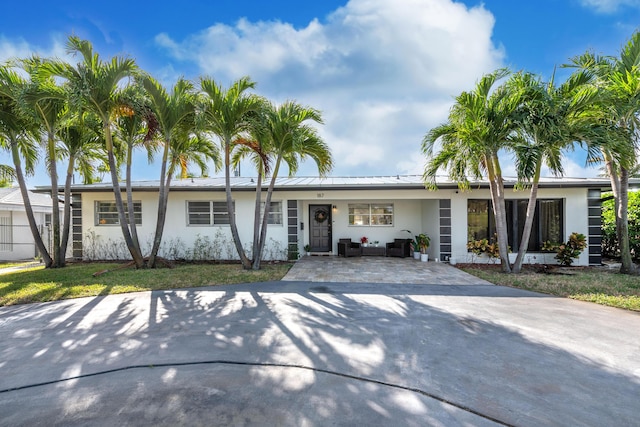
point(310, 354)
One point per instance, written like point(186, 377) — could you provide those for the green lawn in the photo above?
point(76, 280)
point(8, 264)
point(598, 285)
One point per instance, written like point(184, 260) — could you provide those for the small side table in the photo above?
point(373, 251)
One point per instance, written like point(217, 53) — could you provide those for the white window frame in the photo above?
point(275, 217)
point(368, 215)
point(103, 222)
point(216, 213)
point(6, 232)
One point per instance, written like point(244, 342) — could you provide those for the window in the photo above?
point(6, 232)
point(547, 221)
point(275, 213)
point(107, 213)
point(199, 213)
point(365, 214)
point(207, 213)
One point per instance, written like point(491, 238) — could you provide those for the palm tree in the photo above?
point(47, 101)
point(17, 135)
point(290, 140)
point(480, 125)
point(82, 145)
point(97, 86)
point(228, 115)
point(550, 119)
point(618, 80)
point(171, 111)
point(136, 127)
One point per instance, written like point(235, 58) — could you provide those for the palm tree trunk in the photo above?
point(132, 220)
point(134, 250)
point(64, 240)
point(163, 196)
point(46, 258)
point(257, 222)
point(528, 223)
point(265, 217)
point(619, 187)
point(627, 266)
point(497, 194)
point(55, 213)
point(246, 262)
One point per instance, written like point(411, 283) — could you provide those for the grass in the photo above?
point(598, 285)
point(8, 264)
point(76, 280)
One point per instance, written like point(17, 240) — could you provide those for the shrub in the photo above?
point(484, 246)
point(610, 245)
point(567, 252)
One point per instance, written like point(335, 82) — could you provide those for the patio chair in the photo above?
point(399, 248)
point(347, 248)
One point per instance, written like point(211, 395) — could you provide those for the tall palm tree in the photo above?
point(48, 102)
point(97, 86)
point(17, 134)
point(171, 111)
point(290, 139)
point(136, 127)
point(550, 120)
point(227, 113)
point(618, 80)
point(82, 145)
point(480, 124)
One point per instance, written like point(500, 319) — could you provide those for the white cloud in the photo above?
point(383, 73)
point(20, 48)
point(609, 6)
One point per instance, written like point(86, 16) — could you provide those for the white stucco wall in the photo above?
point(574, 216)
point(178, 236)
point(22, 243)
point(415, 210)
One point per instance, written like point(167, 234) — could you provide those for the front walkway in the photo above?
point(378, 270)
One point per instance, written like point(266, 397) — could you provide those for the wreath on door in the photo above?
point(320, 216)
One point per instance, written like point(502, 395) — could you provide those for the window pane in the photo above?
point(375, 214)
point(6, 231)
point(358, 219)
point(534, 244)
point(478, 219)
point(199, 213)
point(358, 209)
point(220, 214)
point(107, 213)
point(551, 221)
point(275, 213)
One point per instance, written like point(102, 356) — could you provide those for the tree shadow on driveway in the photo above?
point(302, 353)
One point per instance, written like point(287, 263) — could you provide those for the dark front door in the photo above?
point(320, 230)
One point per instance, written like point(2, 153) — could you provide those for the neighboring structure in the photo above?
point(16, 239)
point(319, 211)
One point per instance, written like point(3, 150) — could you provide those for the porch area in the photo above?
point(378, 270)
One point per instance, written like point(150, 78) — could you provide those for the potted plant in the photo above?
point(376, 243)
point(414, 245)
point(365, 241)
point(423, 242)
point(307, 249)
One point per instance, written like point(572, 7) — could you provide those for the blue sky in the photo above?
point(382, 72)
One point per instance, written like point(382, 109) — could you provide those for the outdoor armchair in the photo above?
point(399, 247)
point(347, 248)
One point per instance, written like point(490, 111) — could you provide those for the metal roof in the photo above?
point(13, 196)
point(394, 182)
